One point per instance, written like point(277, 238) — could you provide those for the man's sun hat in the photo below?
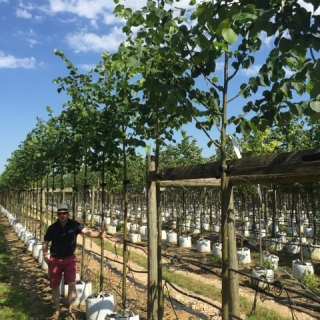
point(63, 207)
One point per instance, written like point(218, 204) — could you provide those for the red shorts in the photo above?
point(57, 266)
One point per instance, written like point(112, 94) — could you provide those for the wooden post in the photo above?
point(225, 194)
point(93, 193)
point(152, 244)
point(234, 306)
point(274, 211)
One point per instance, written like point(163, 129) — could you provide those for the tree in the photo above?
point(183, 153)
point(228, 31)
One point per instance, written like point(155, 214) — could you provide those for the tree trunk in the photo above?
point(152, 245)
point(234, 307)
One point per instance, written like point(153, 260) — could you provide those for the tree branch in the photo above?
point(239, 117)
point(312, 54)
point(206, 132)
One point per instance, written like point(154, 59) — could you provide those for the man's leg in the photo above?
point(72, 294)
point(56, 297)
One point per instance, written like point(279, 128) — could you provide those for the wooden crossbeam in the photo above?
point(300, 166)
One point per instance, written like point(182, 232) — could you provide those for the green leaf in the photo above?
point(160, 13)
point(229, 35)
point(315, 106)
point(243, 16)
point(299, 87)
point(285, 45)
point(315, 91)
point(132, 62)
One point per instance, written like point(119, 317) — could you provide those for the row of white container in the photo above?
point(197, 226)
point(243, 254)
point(99, 306)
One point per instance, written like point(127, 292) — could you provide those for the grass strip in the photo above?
point(13, 304)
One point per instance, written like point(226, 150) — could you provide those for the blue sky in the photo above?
point(29, 33)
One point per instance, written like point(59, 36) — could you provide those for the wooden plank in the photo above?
point(209, 183)
point(301, 166)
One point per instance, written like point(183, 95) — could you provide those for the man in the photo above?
point(63, 237)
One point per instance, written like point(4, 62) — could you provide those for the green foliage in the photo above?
point(14, 305)
point(310, 280)
point(267, 264)
point(183, 153)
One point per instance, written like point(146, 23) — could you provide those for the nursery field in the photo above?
point(192, 284)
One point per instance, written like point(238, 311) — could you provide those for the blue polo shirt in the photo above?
point(63, 239)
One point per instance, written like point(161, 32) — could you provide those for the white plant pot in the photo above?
point(40, 256)
point(134, 227)
point(205, 226)
point(289, 231)
point(36, 249)
point(263, 274)
point(293, 247)
point(44, 265)
point(98, 306)
point(27, 236)
point(244, 255)
point(134, 237)
point(273, 244)
point(30, 243)
point(308, 232)
point(282, 236)
point(142, 230)
point(185, 242)
point(216, 228)
point(20, 232)
point(311, 251)
point(217, 250)
point(64, 288)
point(143, 220)
point(172, 237)
point(272, 258)
point(204, 245)
point(195, 228)
point(299, 269)
point(83, 290)
point(111, 229)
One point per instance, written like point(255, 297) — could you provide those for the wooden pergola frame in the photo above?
point(291, 167)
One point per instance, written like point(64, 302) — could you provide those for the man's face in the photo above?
point(63, 216)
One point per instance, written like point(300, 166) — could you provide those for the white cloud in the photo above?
point(90, 9)
point(265, 39)
point(85, 42)
point(110, 18)
point(38, 18)
point(32, 42)
point(23, 14)
point(93, 23)
point(14, 63)
point(252, 71)
point(87, 67)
